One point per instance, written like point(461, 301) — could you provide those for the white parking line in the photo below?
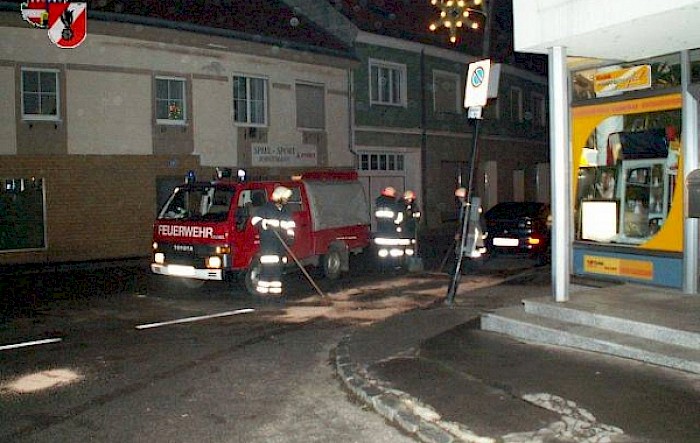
point(192, 319)
point(30, 343)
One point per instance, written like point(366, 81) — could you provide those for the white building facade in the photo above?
point(93, 138)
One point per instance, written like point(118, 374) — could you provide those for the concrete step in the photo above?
point(516, 322)
point(656, 323)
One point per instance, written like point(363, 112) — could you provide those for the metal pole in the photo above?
point(560, 154)
point(689, 154)
point(466, 211)
point(296, 260)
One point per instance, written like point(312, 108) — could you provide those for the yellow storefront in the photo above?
point(627, 173)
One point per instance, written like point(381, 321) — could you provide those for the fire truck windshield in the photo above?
point(206, 203)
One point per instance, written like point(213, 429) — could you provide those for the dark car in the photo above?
point(519, 228)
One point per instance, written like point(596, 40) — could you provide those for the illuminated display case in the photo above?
point(627, 204)
point(636, 233)
point(597, 204)
point(645, 195)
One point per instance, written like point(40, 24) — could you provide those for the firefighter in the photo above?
point(411, 216)
point(389, 215)
point(477, 247)
point(387, 212)
point(461, 195)
point(276, 226)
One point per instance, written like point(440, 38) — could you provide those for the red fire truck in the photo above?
point(204, 230)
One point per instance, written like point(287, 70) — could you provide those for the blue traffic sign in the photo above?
point(476, 91)
point(478, 76)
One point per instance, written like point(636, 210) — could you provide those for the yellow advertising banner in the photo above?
point(619, 267)
point(620, 80)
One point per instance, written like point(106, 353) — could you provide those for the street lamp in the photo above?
point(456, 14)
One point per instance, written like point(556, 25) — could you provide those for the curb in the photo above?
point(398, 407)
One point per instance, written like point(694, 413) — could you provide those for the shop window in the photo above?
point(22, 214)
point(170, 100)
point(627, 177)
point(40, 94)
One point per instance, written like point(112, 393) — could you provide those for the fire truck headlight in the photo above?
point(213, 262)
point(223, 250)
point(409, 251)
point(396, 252)
point(159, 258)
point(155, 245)
point(383, 253)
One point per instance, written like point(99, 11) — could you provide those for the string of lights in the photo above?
point(456, 14)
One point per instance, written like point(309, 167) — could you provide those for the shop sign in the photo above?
point(619, 267)
point(620, 80)
point(265, 154)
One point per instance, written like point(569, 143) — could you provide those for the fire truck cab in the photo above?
point(204, 230)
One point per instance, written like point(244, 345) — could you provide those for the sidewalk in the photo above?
point(436, 375)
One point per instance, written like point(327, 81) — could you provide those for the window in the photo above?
point(387, 83)
point(22, 218)
point(311, 111)
point(40, 96)
point(446, 92)
point(539, 113)
point(516, 104)
point(381, 162)
point(294, 204)
point(250, 101)
point(170, 100)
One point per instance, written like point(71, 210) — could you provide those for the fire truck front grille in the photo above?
point(185, 254)
point(185, 259)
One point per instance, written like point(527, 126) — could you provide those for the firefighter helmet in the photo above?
point(461, 193)
point(389, 192)
point(280, 193)
point(409, 195)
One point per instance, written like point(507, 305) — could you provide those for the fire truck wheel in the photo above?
point(192, 283)
point(251, 277)
point(333, 263)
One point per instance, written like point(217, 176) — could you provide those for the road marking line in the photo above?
point(30, 343)
point(193, 319)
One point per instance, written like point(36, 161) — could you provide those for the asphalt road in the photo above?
point(118, 354)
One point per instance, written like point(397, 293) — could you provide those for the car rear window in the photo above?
point(511, 210)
